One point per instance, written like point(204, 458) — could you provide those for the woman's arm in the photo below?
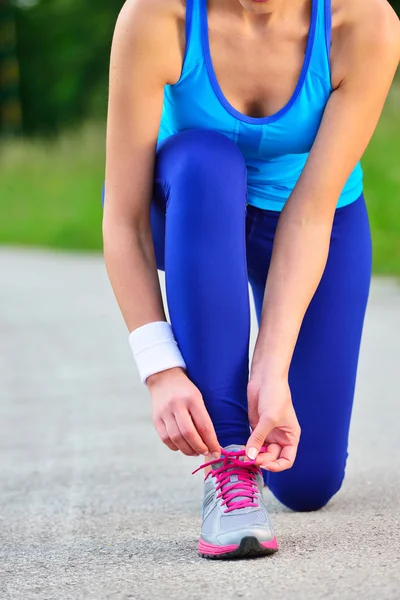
point(365, 64)
point(145, 57)
point(139, 69)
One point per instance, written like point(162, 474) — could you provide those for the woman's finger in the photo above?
point(205, 429)
point(285, 460)
point(273, 452)
point(259, 435)
point(253, 391)
point(162, 432)
point(176, 437)
point(189, 433)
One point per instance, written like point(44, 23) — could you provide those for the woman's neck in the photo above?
point(256, 15)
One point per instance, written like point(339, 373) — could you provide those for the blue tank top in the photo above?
point(275, 147)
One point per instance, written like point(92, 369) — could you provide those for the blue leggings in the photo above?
point(210, 246)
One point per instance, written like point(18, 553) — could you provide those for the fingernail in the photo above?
point(215, 455)
point(252, 453)
point(206, 454)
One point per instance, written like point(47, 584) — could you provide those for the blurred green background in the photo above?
point(53, 99)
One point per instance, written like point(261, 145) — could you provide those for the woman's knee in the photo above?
point(308, 493)
point(201, 156)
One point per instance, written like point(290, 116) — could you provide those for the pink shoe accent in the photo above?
point(246, 484)
point(271, 545)
point(205, 548)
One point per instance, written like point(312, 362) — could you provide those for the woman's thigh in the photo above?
point(324, 365)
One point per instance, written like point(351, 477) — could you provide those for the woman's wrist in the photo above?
point(274, 350)
point(269, 364)
point(155, 349)
point(164, 377)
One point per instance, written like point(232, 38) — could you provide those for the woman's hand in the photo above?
point(180, 416)
point(274, 423)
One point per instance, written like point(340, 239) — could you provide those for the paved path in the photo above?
point(92, 505)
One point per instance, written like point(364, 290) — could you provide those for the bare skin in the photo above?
point(257, 51)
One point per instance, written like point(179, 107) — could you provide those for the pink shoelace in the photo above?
point(245, 487)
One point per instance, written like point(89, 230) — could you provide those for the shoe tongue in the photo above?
point(231, 448)
point(233, 478)
point(234, 448)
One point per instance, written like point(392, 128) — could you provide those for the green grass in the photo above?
point(50, 191)
point(381, 165)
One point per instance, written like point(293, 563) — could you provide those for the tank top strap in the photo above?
point(194, 47)
point(320, 59)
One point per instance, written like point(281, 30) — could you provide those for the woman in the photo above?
point(202, 184)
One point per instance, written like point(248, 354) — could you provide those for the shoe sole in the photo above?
point(249, 547)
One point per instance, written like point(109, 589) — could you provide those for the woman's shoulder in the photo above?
point(154, 30)
point(375, 19)
point(162, 16)
point(174, 8)
point(361, 30)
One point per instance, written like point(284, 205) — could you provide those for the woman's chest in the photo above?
point(194, 104)
point(257, 75)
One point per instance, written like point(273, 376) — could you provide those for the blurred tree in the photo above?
point(10, 107)
point(63, 48)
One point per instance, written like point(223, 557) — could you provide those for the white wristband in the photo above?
point(155, 349)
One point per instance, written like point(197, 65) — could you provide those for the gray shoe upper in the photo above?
point(222, 528)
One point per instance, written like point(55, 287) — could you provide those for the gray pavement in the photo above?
point(92, 506)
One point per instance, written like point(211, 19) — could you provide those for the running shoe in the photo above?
point(236, 523)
